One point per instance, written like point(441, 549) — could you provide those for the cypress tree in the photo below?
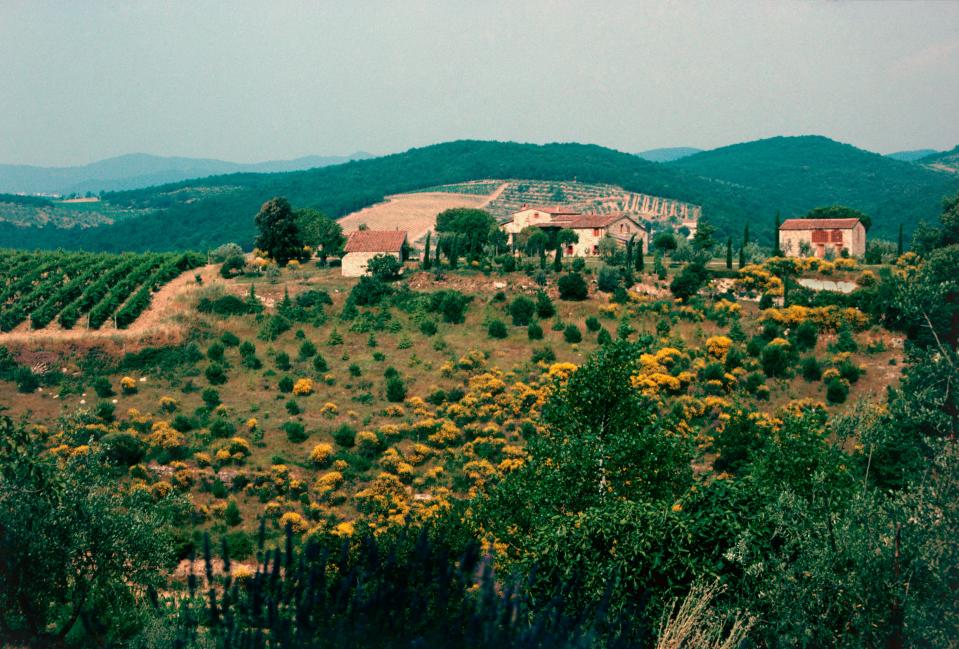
point(558, 259)
point(742, 257)
point(629, 252)
point(729, 252)
point(426, 255)
point(438, 254)
point(640, 263)
point(777, 251)
point(745, 235)
point(899, 243)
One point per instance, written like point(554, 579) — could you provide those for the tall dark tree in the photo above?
point(426, 253)
point(742, 257)
point(746, 235)
point(474, 227)
point(640, 262)
point(321, 232)
point(279, 236)
point(629, 252)
point(564, 238)
point(777, 251)
point(729, 252)
point(899, 243)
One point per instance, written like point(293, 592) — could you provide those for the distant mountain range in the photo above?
point(137, 170)
point(943, 160)
point(911, 156)
point(668, 154)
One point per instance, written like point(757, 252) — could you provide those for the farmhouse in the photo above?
point(363, 245)
point(591, 228)
point(822, 237)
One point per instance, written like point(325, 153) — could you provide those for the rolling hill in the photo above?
point(911, 156)
point(668, 154)
point(138, 170)
point(734, 185)
point(943, 161)
point(794, 174)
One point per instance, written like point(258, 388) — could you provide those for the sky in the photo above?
point(249, 81)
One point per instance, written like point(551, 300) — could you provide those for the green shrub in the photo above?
point(123, 448)
point(211, 397)
point(592, 323)
point(837, 390)
point(496, 329)
point(534, 331)
point(806, 335)
point(395, 389)
point(355, 370)
point(604, 337)
point(215, 351)
point(775, 359)
point(231, 515)
point(544, 355)
point(285, 385)
point(221, 428)
point(295, 432)
point(608, 279)
point(229, 339)
point(849, 370)
point(811, 369)
point(103, 387)
point(320, 364)
point(572, 334)
point(232, 267)
point(215, 374)
point(428, 328)
point(293, 407)
point(274, 327)
point(345, 436)
point(105, 411)
point(282, 362)
point(521, 309)
point(307, 350)
point(572, 286)
point(544, 306)
point(369, 291)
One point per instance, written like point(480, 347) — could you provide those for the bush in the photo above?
point(320, 364)
point(103, 387)
point(534, 331)
point(689, 281)
point(282, 361)
point(285, 385)
point(221, 428)
point(572, 334)
point(211, 397)
point(450, 304)
point(232, 516)
point(395, 389)
point(428, 328)
point(345, 436)
point(369, 291)
point(579, 264)
point(592, 323)
point(775, 358)
point(572, 287)
point(274, 327)
point(496, 329)
point(608, 279)
point(807, 333)
point(215, 374)
point(849, 370)
point(544, 355)
point(232, 267)
point(225, 306)
point(123, 449)
point(837, 390)
point(604, 337)
point(811, 369)
point(313, 298)
point(521, 309)
point(307, 350)
point(384, 267)
point(544, 306)
point(105, 411)
point(295, 432)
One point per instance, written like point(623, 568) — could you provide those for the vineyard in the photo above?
point(86, 289)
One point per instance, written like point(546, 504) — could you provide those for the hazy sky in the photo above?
point(248, 81)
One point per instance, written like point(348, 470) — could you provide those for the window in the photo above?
point(596, 232)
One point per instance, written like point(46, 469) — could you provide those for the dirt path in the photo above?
point(161, 321)
point(496, 194)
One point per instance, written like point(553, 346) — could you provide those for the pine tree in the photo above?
point(729, 252)
point(426, 255)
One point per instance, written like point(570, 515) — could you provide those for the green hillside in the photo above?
point(795, 174)
point(734, 185)
point(943, 161)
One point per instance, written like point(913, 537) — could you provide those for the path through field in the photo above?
point(415, 213)
point(159, 321)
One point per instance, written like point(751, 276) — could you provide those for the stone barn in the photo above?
point(817, 237)
point(363, 245)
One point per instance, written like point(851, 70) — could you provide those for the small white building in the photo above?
point(363, 245)
point(820, 236)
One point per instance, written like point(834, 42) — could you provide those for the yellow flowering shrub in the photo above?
point(168, 404)
point(344, 529)
point(845, 263)
point(329, 409)
point(717, 346)
point(295, 521)
point(303, 387)
point(447, 435)
point(128, 385)
point(328, 482)
point(561, 371)
point(321, 454)
point(419, 453)
point(367, 441)
point(164, 436)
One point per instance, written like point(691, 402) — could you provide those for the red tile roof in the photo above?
point(375, 241)
point(595, 220)
point(818, 224)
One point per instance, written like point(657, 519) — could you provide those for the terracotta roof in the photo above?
point(584, 221)
point(375, 241)
point(549, 209)
point(818, 224)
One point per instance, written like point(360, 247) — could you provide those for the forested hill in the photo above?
point(747, 182)
point(203, 213)
point(793, 174)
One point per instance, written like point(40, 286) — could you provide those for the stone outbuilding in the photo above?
point(591, 228)
point(363, 245)
point(821, 237)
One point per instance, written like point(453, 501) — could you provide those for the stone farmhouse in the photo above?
point(819, 237)
point(591, 228)
point(363, 245)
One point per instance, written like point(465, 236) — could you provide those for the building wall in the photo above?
point(524, 219)
point(853, 240)
point(621, 230)
point(353, 264)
